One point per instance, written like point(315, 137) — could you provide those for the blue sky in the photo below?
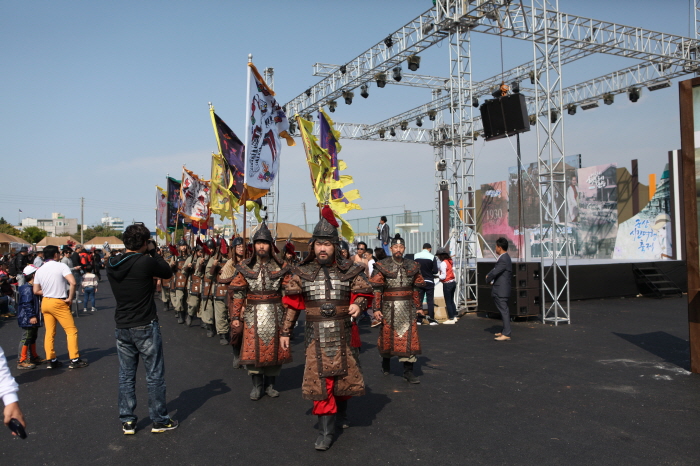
point(101, 99)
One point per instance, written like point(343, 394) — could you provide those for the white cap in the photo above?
point(30, 269)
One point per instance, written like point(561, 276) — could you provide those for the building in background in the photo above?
point(113, 223)
point(54, 226)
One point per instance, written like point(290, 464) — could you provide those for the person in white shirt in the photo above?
point(50, 282)
point(8, 393)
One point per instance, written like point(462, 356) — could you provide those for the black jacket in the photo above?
point(502, 276)
point(131, 278)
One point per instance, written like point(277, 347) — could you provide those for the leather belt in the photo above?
point(265, 298)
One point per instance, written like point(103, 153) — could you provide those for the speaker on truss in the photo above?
point(504, 116)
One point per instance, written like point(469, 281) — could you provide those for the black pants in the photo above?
point(448, 289)
point(429, 293)
point(502, 306)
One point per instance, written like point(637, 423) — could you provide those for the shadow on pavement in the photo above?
point(192, 399)
point(664, 345)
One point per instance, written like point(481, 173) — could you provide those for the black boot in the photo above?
point(188, 320)
point(269, 387)
point(386, 366)
point(257, 391)
point(237, 357)
point(342, 419)
point(326, 430)
point(408, 373)
point(210, 330)
point(180, 318)
point(223, 341)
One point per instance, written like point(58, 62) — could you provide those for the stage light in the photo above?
point(444, 185)
point(475, 135)
point(496, 93)
point(381, 79)
point(663, 67)
point(419, 122)
point(308, 117)
point(388, 41)
point(659, 85)
point(404, 125)
point(413, 62)
point(397, 74)
point(348, 95)
point(331, 105)
point(515, 87)
point(532, 119)
point(571, 109)
point(308, 92)
point(363, 91)
point(608, 99)
point(441, 166)
point(554, 116)
point(343, 69)
point(392, 132)
point(382, 132)
point(475, 102)
point(432, 114)
point(292, 126)
point(532, 76)
point(589, 105)
point(634, 93)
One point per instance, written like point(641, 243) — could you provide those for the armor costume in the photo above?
point(165, 284)
point(227, 274)
point(206, 306)
point(332, 373)
point(178, 291)
point(396, 284)
point(256, 302)
point(195, 270)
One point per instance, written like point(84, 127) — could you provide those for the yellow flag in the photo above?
point(223, 202)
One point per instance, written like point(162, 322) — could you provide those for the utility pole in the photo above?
point(303, 206)
point(82, 222)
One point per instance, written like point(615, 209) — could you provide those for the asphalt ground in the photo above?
point(612, 388)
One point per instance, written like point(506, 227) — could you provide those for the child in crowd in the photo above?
point(29, 318)
point(89, 289)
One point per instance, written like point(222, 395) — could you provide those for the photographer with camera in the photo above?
point(138, 332)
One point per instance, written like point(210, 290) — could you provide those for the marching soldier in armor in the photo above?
point(178, 290)
point(219, 301)
point(211, 270)
point(258, 288)
point(165, 284)
point(333, 290)
point(228, 272)
point(396, 281)
point(194, 267)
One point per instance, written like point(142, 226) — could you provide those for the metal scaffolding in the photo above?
point(557, 39)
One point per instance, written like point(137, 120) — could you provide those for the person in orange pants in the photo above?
point(50, 282)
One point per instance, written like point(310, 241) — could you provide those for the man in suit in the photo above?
point(500, 278)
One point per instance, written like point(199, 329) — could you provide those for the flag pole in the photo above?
point(247, 145)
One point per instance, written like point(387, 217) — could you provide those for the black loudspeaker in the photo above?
point(526, 274)
point(523, 302)
point(504, 116)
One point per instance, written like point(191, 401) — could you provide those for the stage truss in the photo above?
point(557, 38)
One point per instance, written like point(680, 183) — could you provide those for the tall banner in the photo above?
point(596, 205)
point(194, 197)
point(649, 234)
point(173, 204)
point(233, 151)
point(322, 179)
point(341, 203)
point(222, 200)
point(494, 218)
point(266, 123)
point(161, 212)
